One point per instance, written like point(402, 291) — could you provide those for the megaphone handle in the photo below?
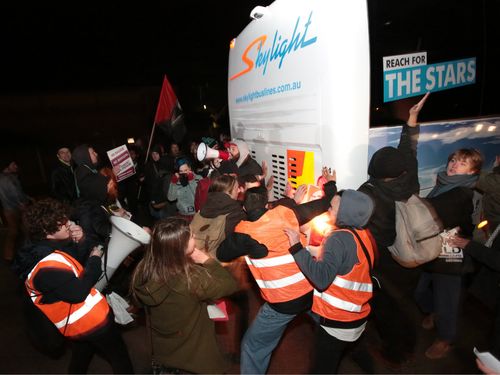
point(105, 260)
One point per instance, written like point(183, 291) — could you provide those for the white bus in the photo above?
point(314, 83)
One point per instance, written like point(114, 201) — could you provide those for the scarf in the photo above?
point(445, 183)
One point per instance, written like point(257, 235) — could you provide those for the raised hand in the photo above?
point(328, 174)
point(300, 193)
point(415, 110)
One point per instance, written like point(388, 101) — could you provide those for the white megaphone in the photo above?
point(125, 237)
point(204, 152)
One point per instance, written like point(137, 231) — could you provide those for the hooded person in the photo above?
point(90, 184)
point(393, 177)
point(157, 174)
point(241, 156)
point(341, 276)
point(90, 210)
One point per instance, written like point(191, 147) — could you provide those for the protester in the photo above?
point(87, 173)
point(13, 201)
point(175, 281)
point(129, 187)
point(240, 154)
point(62, 288)
point(341, 276)
point(98, 196)
point(262, 240)
point(62, 178)
point(439, 288)
point(393, 177)
point(182, 189)
point(155, 188)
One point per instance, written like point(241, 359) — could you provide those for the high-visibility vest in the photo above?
point(346, 299)
point(72, 319)
point(277, 275)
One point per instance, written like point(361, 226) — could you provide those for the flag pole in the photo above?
point(146, 159)
point(149, 145)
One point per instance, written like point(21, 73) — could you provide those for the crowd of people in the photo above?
point(216, 232)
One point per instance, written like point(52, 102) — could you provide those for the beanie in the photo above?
point(388, 162)
point(209, 141)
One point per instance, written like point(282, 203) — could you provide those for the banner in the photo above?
point(410, 75)
point(120, 157)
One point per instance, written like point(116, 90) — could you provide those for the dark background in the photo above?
point(79, 72)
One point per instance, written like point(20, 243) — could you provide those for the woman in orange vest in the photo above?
point(61, 288)
point(341, 276)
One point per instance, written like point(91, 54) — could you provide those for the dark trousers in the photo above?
point(394, 326)
point(329, 351)
point(440, 294)
point(109, 345)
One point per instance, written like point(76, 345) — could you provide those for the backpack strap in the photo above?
point(367, 255)
point(363, 247)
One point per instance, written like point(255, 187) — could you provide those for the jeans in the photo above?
point(440, 294)
point(261, 338)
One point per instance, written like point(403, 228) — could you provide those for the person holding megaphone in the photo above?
point(61, 285)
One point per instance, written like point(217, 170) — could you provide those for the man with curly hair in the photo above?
point(62, 289)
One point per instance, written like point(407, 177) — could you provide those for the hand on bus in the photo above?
point(415, 110)
point(328, 174)
point(300, 193)
point(289, 190)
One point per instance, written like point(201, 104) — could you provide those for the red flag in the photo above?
point(166, 104)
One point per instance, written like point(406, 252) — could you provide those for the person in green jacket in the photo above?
point(175, 282)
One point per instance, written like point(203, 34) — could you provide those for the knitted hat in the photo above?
point(388, 162)
point(209, 141)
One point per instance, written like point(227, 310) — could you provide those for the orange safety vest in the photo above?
point(72, 319)
point(277, 275)
point(346, 299)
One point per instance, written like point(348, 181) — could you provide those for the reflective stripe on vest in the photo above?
point(72, 319)
point(337, 302)
point(88, 305)
point(280, 283)
point(346, 299)
point(277, 275)
point(353, 285)
point(270, 262)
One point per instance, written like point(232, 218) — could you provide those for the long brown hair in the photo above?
point(165, 256)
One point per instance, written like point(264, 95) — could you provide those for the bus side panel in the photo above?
point(299, 85)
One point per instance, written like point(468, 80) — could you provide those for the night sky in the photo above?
point(72, 48)
point(76, 45)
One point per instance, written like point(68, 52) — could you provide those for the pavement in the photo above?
point(292, 356)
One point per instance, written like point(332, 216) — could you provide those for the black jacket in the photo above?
point(219, 203)
point(62, 183)
point(386, 193)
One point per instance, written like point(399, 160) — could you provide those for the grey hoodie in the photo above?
point(339, 249)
